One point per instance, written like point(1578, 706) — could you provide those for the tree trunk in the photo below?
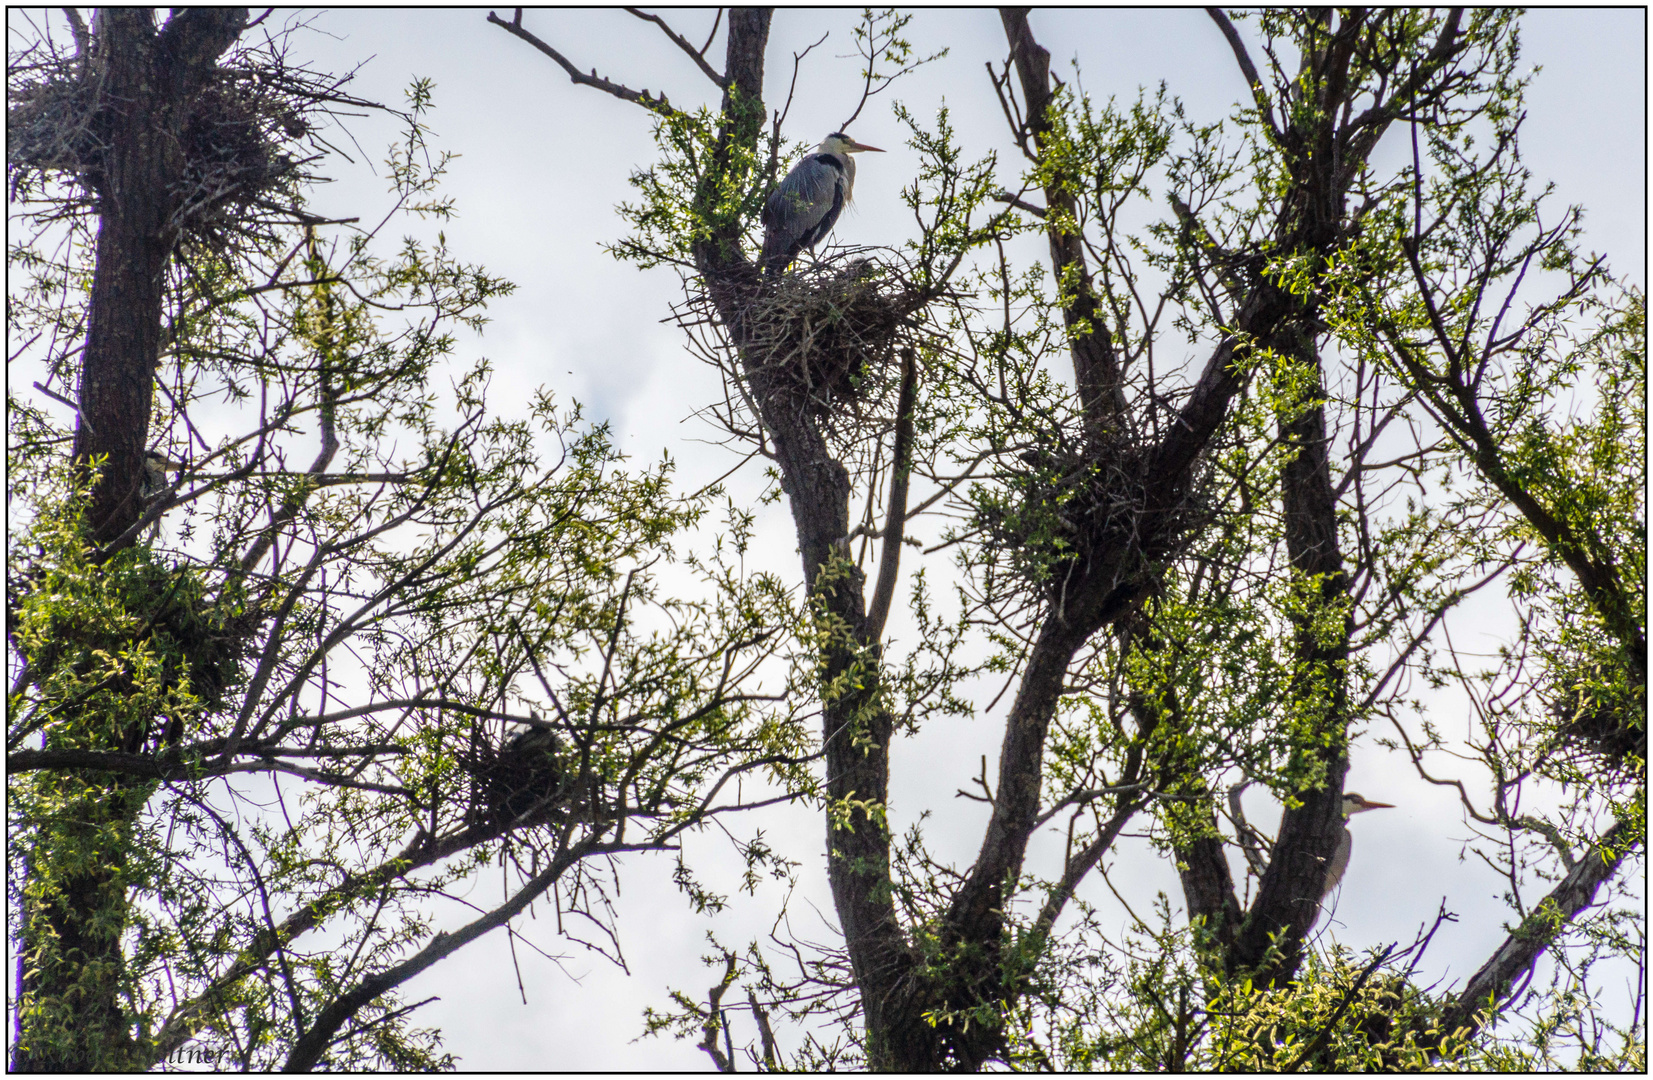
point(1288, 898)
point(856, 725)
point(1095, 361)
point(71, 1014)
point(147, 81)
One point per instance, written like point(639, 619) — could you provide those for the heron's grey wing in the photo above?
point(805, 196)
point(774, 257)
point(782, 218)
point(1340, 860)
point(793, 213)
point(829, 219)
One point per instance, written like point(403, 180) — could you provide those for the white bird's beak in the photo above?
point(855, 147)
point(1370, 805)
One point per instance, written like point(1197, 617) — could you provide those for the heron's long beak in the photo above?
point(1370, 805)
point(855, 147)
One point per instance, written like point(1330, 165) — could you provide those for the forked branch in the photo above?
point(697, 55)
point(625, 93)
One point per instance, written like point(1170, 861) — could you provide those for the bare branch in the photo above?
point(697, 55)
point(152, 768)
point(308, 1050)
point(716, 22)
point(792, 88)
point(895, 518)
point(1020, 204)
point(1492, 984)
point(625, 93)
point(1247, 68)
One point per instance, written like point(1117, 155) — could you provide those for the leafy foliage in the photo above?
point(249, 749)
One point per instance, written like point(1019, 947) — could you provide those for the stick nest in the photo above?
point(246, 136)
point(1072, 501)
point(517, 781)
point(1601, 728)
point(822, 337)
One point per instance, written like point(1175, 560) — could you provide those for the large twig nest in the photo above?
point(1607, 729)
point(821, 331)
point(246, 135)
point(197, 642)
point(823, 335)
point(1072, 501)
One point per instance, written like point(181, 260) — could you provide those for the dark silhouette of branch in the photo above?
point(1247, 68)
point(895, 519)
point(309, 1048)
point(1489, 986)
point(624, 93)
point(697, 55)
point(1020, 204)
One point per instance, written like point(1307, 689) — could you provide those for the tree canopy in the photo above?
point(247, 749)
point(1211, 478)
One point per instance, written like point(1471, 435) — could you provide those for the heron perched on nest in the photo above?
point(806, 205)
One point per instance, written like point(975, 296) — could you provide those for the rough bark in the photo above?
point(1208, 886)
point(72, 937)
point(1095, 362)
point(1288, 897)
point(1323, 151)
point(857, 726)
point(147, 80)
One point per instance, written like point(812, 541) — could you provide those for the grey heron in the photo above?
point(805, 206)
point(156, 465)
point(1352, 804)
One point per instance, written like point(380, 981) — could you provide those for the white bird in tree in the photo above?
point(1352, 804)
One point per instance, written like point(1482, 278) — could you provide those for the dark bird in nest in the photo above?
point(526, 777)
point(805, 206)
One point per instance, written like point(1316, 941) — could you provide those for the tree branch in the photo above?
point(625, 93)
point(895, 518)
point(1377, 118)
point(309, 1048)
point(1479, 1000)
point(1020, 204)
point(142, 765)
point(190, 1016)
point(1247, 68)
point(697, 55)
point(1095, 363)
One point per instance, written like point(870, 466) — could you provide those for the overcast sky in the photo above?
point(543, 163)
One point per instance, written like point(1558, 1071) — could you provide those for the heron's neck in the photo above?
point(849, 176)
